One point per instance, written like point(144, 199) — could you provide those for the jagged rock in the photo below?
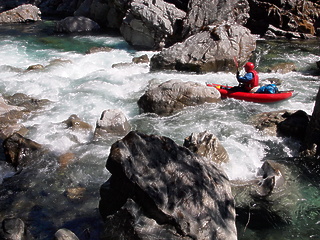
point(202, 13)
point(207, 145)
point(23, 13)
point(65, 234)
point(112, 122)
point(268, 121)
point(311, 141)
point(283, 123)
point(159, 188)
point(151, 24)
point(291, 19)
point(76, 24)
point(212, 50)
point(174, 95)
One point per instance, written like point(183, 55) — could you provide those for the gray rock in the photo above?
point(174, 95)
point(212, 50)
point(161, 190)
point(150, 24)
point(76, 24)
point(23, 13)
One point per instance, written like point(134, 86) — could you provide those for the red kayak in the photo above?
point(227, 92)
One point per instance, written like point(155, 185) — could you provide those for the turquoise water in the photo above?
point(86, 85)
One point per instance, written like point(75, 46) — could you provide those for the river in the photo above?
point(87, 84)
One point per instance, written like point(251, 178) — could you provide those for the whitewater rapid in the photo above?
point(87, 84)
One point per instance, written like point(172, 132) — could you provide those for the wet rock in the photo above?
point(207, 145)
point(35, 67)
point(76, 24)
point(14, 229)
point(29, 103)
point(159, 188)
point(174, 95)
point(112, 122)
point(20, 151)
point(151, 24)
point(65, 159)
point(76, 124)
point(65, 234)
point(211, 50)
point(23, 13)
point(141, 59)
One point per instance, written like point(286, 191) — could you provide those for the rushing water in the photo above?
point(87, 84)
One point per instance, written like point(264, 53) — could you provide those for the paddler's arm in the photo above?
point(246, 78)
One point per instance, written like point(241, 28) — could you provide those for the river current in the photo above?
point(87, 84)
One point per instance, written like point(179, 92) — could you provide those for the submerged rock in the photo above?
point(174, 95)
point(269, 200)
point(65, 234)
point(14, 229)
point(76, 24)
point(159, 188)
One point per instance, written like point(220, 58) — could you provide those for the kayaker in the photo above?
point(250, 80)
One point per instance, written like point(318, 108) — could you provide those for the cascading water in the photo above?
point(87, 84)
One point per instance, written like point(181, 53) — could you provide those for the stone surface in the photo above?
point(174, 95)
point(161, 189)
point(211, 50)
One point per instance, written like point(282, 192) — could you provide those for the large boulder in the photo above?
point(152, 24)
point(311, 142)
point(23, 13)
point(174, 95)
point(212, 50)
point(161, 189)
point(76, 24)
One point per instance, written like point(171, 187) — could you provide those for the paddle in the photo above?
point(236, 63)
